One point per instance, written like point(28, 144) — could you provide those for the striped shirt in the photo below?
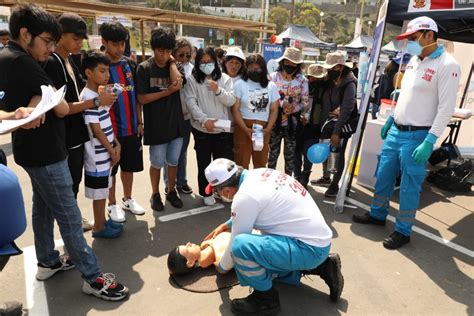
point(96, 156)
point(124, 111)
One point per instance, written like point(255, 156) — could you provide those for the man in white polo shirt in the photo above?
point(424, 108)
point(295, 239)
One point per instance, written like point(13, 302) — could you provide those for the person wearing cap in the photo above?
point(63, 71)
point(339, 113)
point(295, 240)
point(309, 131)
point(233, 64)
point(424, 108)
point(257, 103)
point(294, 98)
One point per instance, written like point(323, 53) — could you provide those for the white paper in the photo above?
point(49, 100)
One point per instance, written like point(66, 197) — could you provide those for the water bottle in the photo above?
point(333, 159)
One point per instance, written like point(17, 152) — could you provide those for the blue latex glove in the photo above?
point(386, 127)
point(422, 153)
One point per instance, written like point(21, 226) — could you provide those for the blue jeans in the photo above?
point(166, 153)
point(394, 158)
point(181, 178)
point(53, 199)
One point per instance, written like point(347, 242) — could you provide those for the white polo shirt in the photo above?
point(429, 89)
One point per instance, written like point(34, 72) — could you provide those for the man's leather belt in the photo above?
point(409, 128)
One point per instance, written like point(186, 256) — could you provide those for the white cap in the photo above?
point(235, 51)
point(419, 24)
point(219, 171)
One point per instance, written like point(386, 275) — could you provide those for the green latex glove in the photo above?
point(422, 153)
point(386, 127)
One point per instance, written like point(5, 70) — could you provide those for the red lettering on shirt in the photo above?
point(429, 73)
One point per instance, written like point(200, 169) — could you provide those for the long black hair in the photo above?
point(258, 59)
point(197, 73)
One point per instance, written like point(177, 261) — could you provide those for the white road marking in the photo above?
point(345, 205)
point(191, 212)
point(36, 301)
point(420, 231)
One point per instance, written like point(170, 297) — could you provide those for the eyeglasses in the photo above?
point(49, 42)
point(188, 56)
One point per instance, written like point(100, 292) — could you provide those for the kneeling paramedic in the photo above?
point(424, 108)
point(295, 238)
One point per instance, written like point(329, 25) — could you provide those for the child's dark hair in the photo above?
point(197, 73)
point(35, 19)
point(94, 58)
point(114, 32)
point(163, 38)
point(4, 33)
point(258, 59)
point(177, 263)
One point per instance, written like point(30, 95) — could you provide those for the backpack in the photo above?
point(453, 178)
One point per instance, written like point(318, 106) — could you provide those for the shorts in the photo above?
point(166, 153)
point(97, 184)
point(131, 155)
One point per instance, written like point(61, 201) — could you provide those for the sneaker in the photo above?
point(133, 207)
point(367, 219)
point(174, 199)
point(257, 303)
point(14, 308)
point(209, 200)
point(114, 225)
point(45, 272)
point(86, 224)
point(156, 203)
point(116, 213)
point(331, 191)
point(106, 288)
point(108, 232)
point(395, 240)
point(186, 189)
point(324, 182)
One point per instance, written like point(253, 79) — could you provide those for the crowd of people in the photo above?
point(112, 107)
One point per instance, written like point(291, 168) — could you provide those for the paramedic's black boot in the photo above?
point(304, 179)
point(330, 272)
point(257, 303)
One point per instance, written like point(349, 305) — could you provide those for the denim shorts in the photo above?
point(166, 153)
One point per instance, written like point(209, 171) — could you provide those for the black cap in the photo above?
point(73, 23)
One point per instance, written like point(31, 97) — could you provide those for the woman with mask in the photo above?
point(293, 89)
point(309, 131)
point(233, 64)
point(257, 103)
point(339, 110)
point(209, 97)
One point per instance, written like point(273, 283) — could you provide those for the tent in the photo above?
point(360, 43)
point(303, 34)
point(392, 47)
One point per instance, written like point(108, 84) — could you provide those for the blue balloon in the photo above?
point(318, 153)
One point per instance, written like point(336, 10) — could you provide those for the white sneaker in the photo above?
point(116, 213)
point(132, 206)
point(209, 200)
point(44, 272)
point(86, 224)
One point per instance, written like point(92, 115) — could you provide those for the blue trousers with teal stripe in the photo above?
point(396, 158)
point(258, 259)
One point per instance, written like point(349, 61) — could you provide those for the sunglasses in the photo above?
point(188, 56)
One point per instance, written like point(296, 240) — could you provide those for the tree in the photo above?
point(308, 14)
point(280, 16)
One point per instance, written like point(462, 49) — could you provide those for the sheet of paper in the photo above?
point(49, 99)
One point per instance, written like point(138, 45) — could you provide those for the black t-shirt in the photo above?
point(163, 118)
point(55, 67)
point(21, 78)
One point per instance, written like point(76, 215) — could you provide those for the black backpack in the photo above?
point(454, 178)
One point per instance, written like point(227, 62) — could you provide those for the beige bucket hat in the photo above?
point(293, 54)
point(336, 58)
point(316, 71)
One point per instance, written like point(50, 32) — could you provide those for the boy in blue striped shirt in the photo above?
point(102, 150)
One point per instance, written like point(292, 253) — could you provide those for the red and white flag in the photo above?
point(430, 5)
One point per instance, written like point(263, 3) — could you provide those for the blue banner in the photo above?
point(272, 51)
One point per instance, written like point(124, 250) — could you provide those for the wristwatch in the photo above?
point(96, 102)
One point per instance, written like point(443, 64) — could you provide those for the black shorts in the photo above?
point(131, 156)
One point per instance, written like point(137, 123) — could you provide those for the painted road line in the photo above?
point(420, 231)
point(191, 212)
point(345, 205)
point(36, 301)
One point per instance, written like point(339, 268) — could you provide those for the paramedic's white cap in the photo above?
point(235, 51)
point(419, 24)
point(219, 171)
